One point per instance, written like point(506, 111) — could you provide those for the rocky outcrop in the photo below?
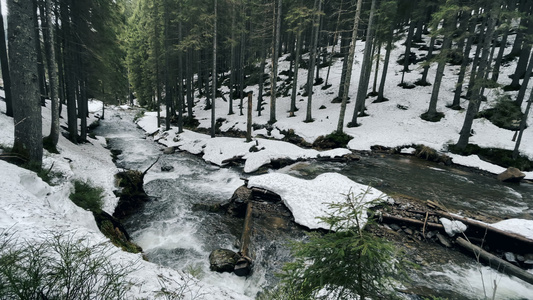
point(511, 175)
point(223, 260)
point(169, 150)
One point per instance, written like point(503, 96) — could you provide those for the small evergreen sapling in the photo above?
point(348, 261)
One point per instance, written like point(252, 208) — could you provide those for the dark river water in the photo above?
point(176, 235)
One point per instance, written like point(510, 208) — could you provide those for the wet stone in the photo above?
point(223, 260)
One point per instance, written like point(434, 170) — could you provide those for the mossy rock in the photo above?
point(117, 234)
point(332, 141)
point(132, 196)
point(500, 157)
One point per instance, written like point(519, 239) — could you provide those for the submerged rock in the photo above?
point(511, 175)
point(223, 260)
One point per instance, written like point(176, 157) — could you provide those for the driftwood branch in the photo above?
point(496, 262)
point(146, 171)
point(386, 218)
point(244, 264)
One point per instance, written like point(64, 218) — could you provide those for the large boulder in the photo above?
point(237, 205)
point(511, 175)
point(223, 260)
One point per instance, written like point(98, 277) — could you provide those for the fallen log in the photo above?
point(386, 218)
point(244, 264)
point(493, 237)
point(496, 262)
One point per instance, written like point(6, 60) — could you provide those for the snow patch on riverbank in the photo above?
point(32, 210)
point(220, 150)
point(310, 199)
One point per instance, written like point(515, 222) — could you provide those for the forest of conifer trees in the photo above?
point(169, 52)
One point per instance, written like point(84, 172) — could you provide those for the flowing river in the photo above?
point(175, 234)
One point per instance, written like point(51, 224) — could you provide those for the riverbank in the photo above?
point(33, 210)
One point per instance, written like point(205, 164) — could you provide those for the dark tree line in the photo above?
point(64, 50)
point(174, 51)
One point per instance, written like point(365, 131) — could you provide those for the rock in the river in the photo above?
point(444, 240)
point(167, 168)
point(237, 204)
point(169, 150)
point(511, 175)
point(223, 260)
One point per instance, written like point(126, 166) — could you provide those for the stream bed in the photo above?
point(175, 234)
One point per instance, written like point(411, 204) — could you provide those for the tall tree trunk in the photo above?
point(366, 67)
point(376, 71)
point(424, 79)
point(48, 36)
point(312, 58)
point(473, 104)
point(476, 62)
point(522, 60)
point(25, 89)
point(456, 104)
point(40, 63)
point(332, 52)
point(181, 98)
point(262, 77)
point(213, 105)
point(523, 87)
point(190, 88)
point(70, 74)
point(499, 57)
point(432, 113)
point(296, 70)
point(5, 68)
point(157, 51)
point(381, 91)
point(232, 60)
point(60, 59)
point(522, 126)
point(168, 83)
point(407, 53)
point(349, 66)
point(274, 72)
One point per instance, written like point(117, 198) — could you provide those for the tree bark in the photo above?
point(274, 72)
point(213, 104)
point(312, 58)
point(473, 104)
point(296, 70)
point(25, 89)
point(5, 68)
point(349, 66)
point(48, 35)
point(366, 67)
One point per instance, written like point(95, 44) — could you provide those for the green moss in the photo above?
point(505, 114)
point(332, 140)
point(86, 196)
point(500, 157)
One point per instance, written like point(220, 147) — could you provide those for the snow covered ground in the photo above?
point(31, 208)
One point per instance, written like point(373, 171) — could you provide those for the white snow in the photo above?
point(220, 149)
point(32, 210)
point(310, 199)
point(452, 227)
point(31, 207)
point(517, 226)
